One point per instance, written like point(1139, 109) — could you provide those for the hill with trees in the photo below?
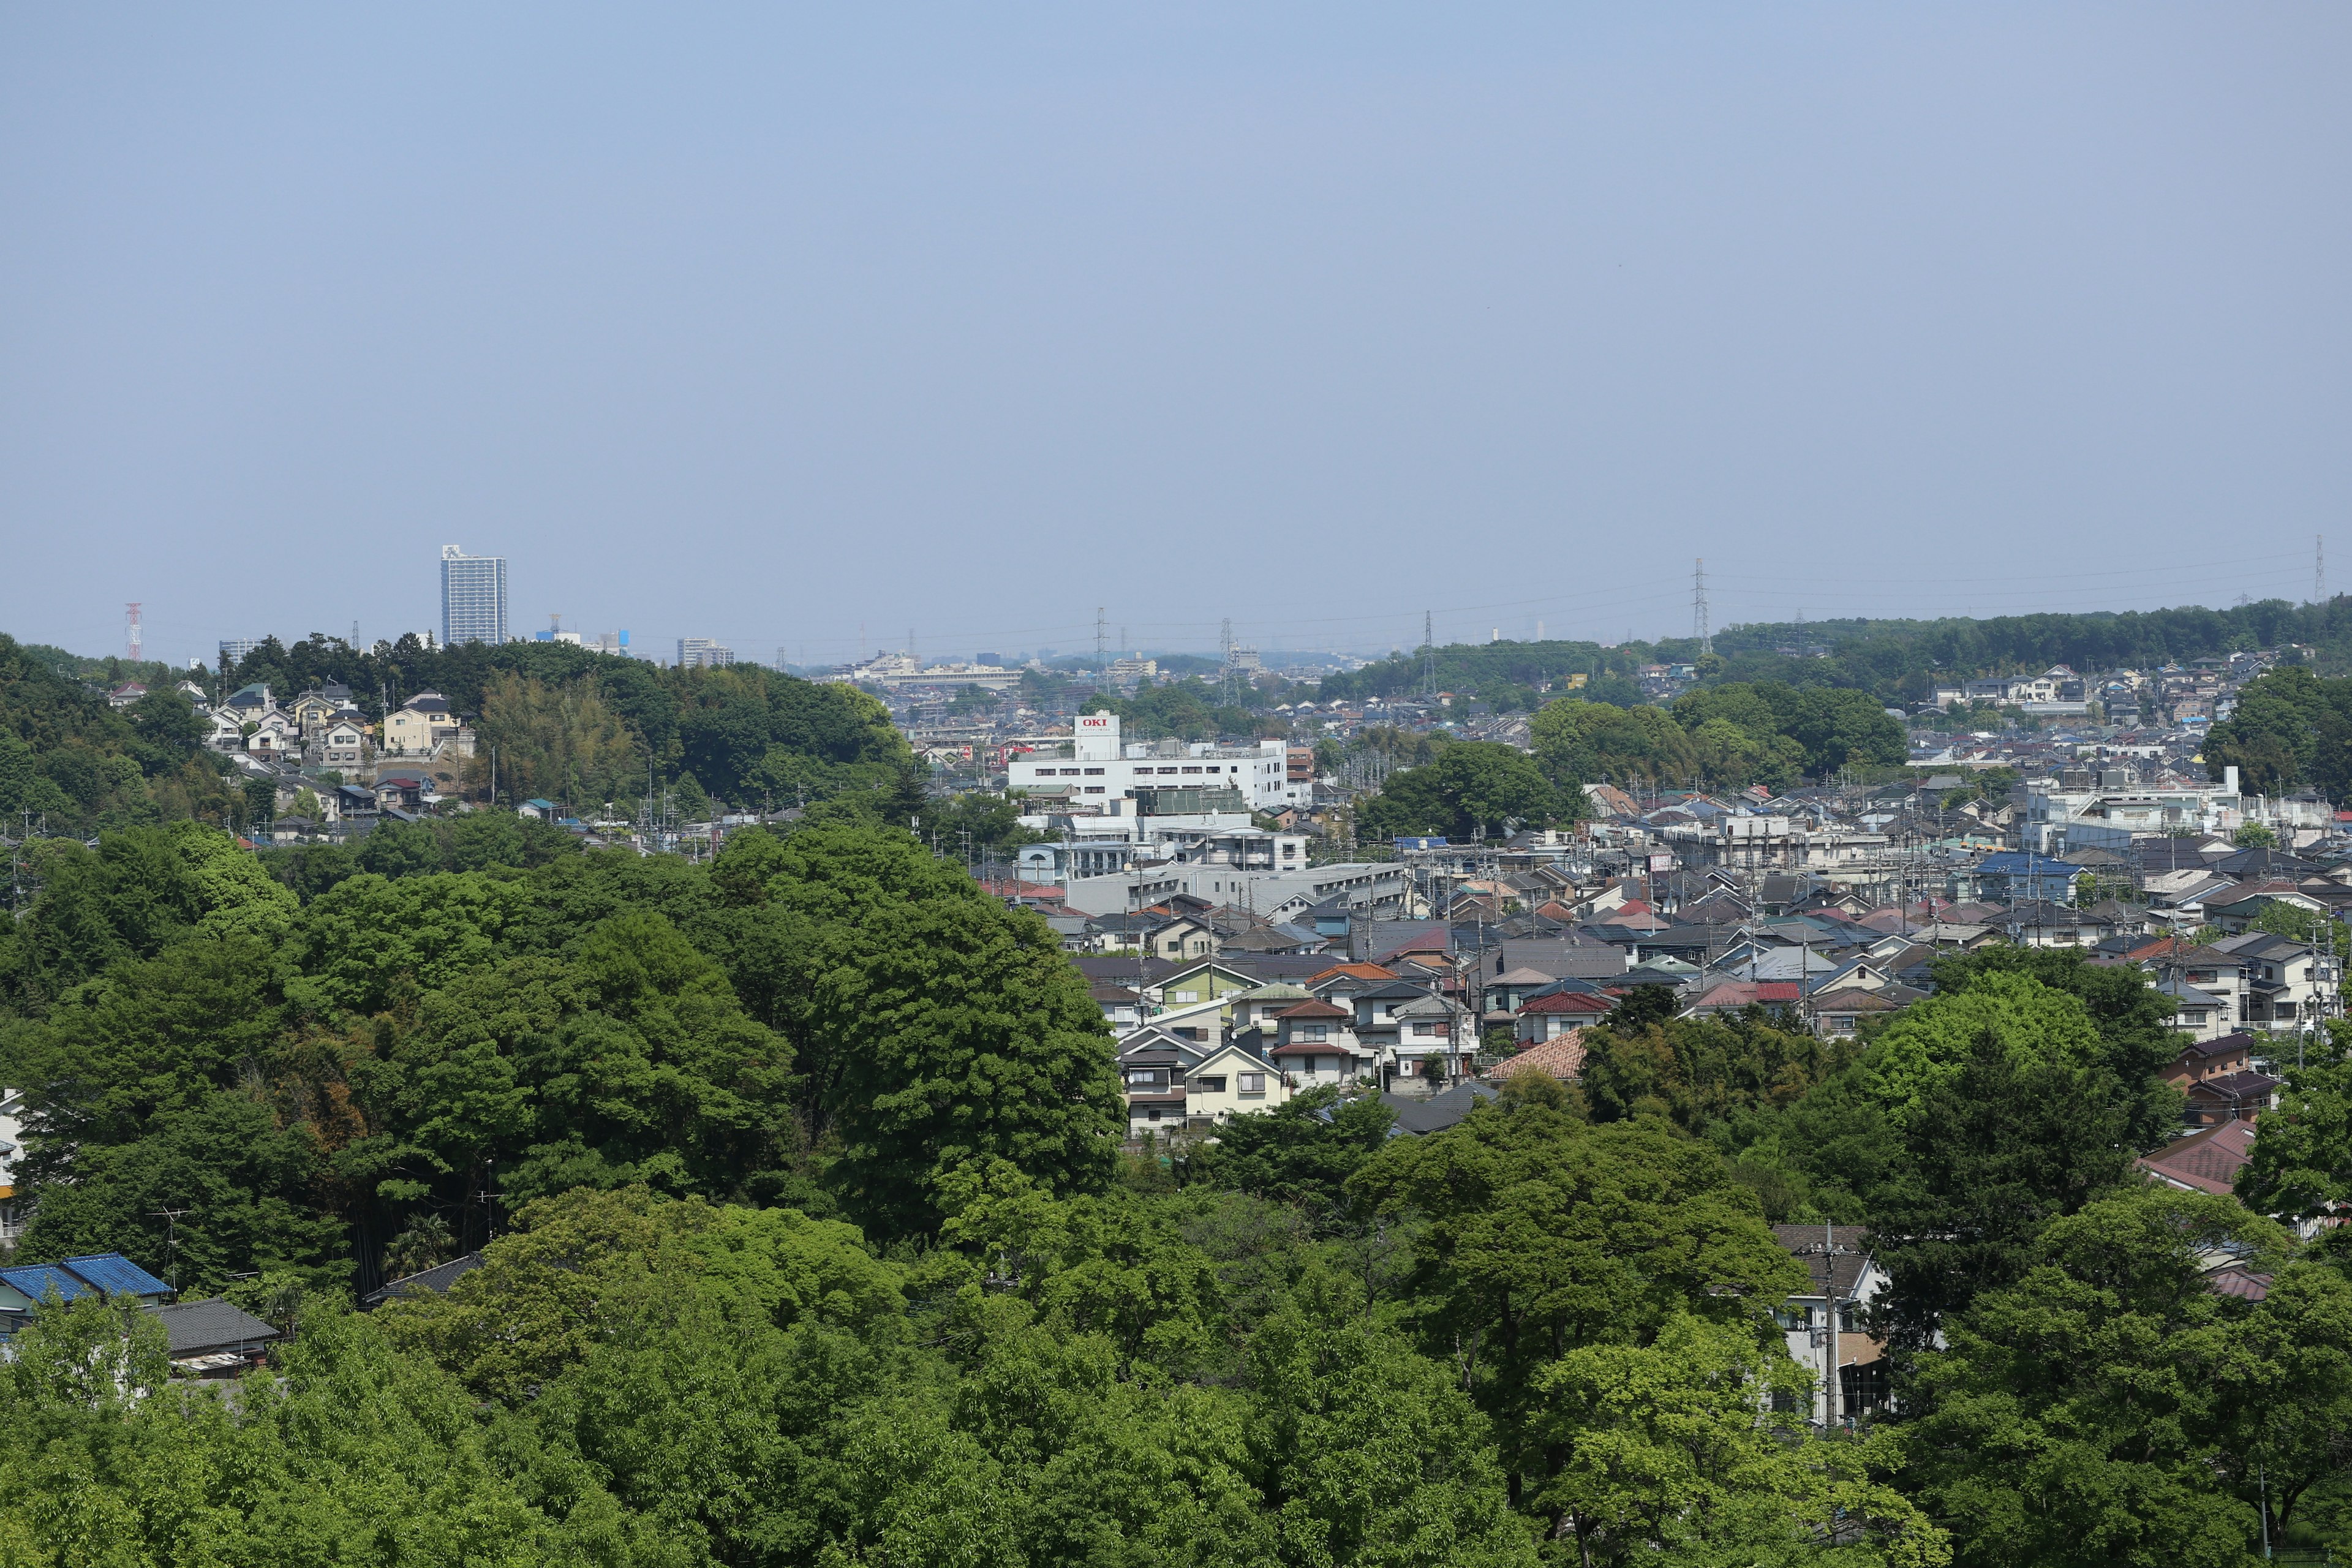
point(807, 1238)
point(1892, 660)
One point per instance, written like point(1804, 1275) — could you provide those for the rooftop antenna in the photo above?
point(171, 1219)
point(132, 631)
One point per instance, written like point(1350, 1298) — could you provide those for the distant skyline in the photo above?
point(795, 329)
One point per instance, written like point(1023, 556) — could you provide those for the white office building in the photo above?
point(702, 653)
point(473, 597)
point(1100, 769)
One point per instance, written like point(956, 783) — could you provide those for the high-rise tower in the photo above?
point(473, 597)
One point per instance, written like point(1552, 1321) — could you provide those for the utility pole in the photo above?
point(171, 1219)
point(1828, 1294)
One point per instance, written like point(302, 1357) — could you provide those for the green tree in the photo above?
point(2076, 1418)
point(1672, 1453)
point(2254, 836)
point(1471, 785)
point(559, 742)
point(933, 1026)
point(1543, 1236)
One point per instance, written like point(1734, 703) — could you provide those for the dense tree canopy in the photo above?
point(1719, 736)
point(1466, 788)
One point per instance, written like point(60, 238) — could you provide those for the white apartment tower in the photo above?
point(473, 597)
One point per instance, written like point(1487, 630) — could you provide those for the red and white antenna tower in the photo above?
point(133, 610)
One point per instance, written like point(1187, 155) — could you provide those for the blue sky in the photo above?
point(785, 325)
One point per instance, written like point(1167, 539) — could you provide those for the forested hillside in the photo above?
point(564, 723)
point(78, 765)
point(1893, 660)
point(809, 1241)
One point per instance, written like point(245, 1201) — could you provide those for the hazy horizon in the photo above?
point(799, 329)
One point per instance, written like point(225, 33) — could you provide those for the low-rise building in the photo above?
point(419, 726)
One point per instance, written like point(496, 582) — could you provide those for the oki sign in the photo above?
point(1096, 736)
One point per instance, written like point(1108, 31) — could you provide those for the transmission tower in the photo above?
point(1232, 694)
point(132, 630)
point(2319, 568)
point(1428, 657)
point(1099, 637)
point(1699, 607)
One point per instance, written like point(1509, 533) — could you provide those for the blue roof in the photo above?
point(104, 1271)
point(2013, 860)
point(37, 1279)
point(117, 1275)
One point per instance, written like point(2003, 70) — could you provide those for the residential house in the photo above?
point(343, 743)
point(2215, 975)
point(1256, 1007)
point(315, 709)
point(419, 726)
point(2230, 1096)
point(1435, 1039)
point(1122, 1008)
point(2207, 1160)
point(1557, 1012)
point(1230, 1080)
point(2287, 982)
point(2236, 907)
point(1841, 1012)
point(24, 1287)
point(1823, 1322)
point(1184, 936)
point(212, 1338)
point(1561, 1057)
point(1315, 1045)
point(124, 695)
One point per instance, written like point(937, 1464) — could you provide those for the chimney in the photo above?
point(2229, 780)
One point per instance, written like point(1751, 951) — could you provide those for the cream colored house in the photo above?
point(420, 726)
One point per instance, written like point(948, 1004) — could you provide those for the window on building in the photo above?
point(1315, 1032)
point(1092, 772)
point(1252, 1083)
point(1214, 1084)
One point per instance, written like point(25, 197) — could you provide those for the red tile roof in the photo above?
point(1563, 1057)
point(1316, 1009)
point(1566, 1002)
point(2206, 1161)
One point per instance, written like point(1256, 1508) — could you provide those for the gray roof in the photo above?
point(1416, 1118)
point(1804, 1242)
point(435, 1280)
point(210, 1326)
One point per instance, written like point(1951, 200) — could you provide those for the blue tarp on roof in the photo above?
point(117, 1275)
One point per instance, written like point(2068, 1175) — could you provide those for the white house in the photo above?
point(1823, 1322)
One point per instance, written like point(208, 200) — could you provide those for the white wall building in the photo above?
point(1100, 769)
